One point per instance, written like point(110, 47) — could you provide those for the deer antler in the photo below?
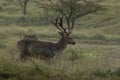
point(56, 23)
point(59, 24)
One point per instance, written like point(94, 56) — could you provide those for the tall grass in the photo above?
point(77, 62)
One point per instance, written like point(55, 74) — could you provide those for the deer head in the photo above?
point(63, 32)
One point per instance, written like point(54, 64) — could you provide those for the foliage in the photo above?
point(73, 57)
point(71, 10)
point(23, 5)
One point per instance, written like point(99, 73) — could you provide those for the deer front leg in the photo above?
point(22, 57)
point(49, 57)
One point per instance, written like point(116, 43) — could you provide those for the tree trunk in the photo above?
point(25, 8)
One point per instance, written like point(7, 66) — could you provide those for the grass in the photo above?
point(77, 62)
point(94, 57)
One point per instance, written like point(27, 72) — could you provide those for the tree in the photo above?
point(72, 10)
point(23, 4)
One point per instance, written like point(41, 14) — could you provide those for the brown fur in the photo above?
point(41, 49)
point(22, 47)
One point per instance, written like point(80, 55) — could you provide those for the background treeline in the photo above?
point(11, 14)
point(40, 12)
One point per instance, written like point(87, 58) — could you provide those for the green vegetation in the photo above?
point(93, 57)
point(96, 55)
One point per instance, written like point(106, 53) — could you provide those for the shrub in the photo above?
point(73, 57)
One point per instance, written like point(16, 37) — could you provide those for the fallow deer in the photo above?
point(45, 50)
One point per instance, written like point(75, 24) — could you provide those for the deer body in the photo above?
point(41, 49)
point(44, 50)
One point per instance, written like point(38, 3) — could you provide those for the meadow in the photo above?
point(95, 56)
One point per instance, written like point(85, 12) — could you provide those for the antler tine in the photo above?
point(56, 23)
point(61, 24)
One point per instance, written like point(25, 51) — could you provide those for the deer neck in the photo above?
point(61, 45)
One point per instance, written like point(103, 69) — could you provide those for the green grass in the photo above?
point(95, 56)
point(90, 56)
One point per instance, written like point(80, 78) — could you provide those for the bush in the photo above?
point(73, 57)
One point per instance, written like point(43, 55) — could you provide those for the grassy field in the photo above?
point(95, 56)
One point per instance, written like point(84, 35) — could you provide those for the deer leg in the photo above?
point(23, 56)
